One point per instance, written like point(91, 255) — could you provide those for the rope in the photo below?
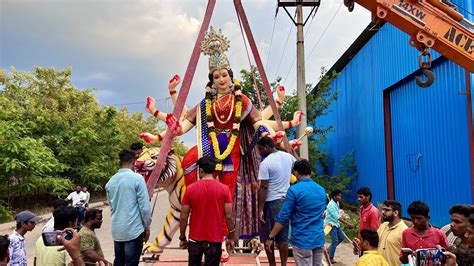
point(250, 64)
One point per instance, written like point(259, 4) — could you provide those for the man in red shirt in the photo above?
point(369, 215)
point(209, 201)
point(421, 235)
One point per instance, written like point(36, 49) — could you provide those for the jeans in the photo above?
point(128, 253)
point(306, 257)
point(80, 213)
point(212, 253)
point(337, 236)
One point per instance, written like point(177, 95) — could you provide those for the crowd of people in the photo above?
point(207, 215)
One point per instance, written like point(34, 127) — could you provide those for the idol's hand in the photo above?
point(173, 124)
point(297, 116)
point(281, 95)
point(295, 144)
point(150, 105)
point(174, 81)
point(278, 137)
point(149, 138)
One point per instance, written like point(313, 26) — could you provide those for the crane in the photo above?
point(431, 24)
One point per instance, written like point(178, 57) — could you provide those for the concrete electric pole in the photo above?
point(300, 70)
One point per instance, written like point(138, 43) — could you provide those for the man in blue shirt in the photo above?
point(304, 207)
point(131, 211)
point(334, 220)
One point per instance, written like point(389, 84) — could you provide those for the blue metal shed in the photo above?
point(410, 143)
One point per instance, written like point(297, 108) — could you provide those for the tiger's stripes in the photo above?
point(171, 180)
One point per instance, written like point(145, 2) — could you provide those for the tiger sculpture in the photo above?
point(171, 179)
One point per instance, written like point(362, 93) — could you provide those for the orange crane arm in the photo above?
point(431, 23)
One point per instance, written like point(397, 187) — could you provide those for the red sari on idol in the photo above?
point(240, 168)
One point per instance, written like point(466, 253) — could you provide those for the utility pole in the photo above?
point(301, 80)
point(300, 65)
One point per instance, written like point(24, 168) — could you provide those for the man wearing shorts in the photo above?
point(274, 177)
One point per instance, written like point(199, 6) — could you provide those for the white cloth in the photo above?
point(76, 198)
point(88, 196)
point(49, 226)
point(276, 168)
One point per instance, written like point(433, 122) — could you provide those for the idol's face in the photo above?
point(221, 79)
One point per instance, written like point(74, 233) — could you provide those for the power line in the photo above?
point(281, 58)
point(135, 103)
point(306, 33)
point(312, 19)
point(271, 42)
point(315, 45)
point(322, 34)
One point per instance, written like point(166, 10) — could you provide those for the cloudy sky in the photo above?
point(128, 50)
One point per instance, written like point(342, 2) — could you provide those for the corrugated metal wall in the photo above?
point(430, 142)
point(358, 118)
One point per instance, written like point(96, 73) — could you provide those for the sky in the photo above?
point(129, 50)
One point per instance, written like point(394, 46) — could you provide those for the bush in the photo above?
point(346, 173)
point(5, 214)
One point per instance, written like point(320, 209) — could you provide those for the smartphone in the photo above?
point(430, 257)
point(52, 238)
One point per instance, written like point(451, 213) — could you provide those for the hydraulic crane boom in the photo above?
point(431, 24)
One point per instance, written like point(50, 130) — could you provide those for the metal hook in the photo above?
point(430, 77)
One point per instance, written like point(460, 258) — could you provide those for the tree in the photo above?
point(53, 135)
point(248, 86)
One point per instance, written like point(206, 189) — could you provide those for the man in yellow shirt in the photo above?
point(390, 232)
point(64, 217)
point(369, 241)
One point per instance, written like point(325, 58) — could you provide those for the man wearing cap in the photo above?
point(25, 221)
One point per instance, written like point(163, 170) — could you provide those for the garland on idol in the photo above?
point(235, 126)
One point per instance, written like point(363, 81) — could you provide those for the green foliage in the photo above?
point(248, 86)
point(346, 173)
point(53, 135)
point(5, 214)
point(319, 99)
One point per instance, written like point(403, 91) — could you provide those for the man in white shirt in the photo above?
point(49, 226)
point(88, 196)
point(78, 199)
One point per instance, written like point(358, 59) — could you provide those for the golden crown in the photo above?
point(214, 45)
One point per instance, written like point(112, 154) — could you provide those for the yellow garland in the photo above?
point(208, 106)
point(238, 111)
point(215, 143)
